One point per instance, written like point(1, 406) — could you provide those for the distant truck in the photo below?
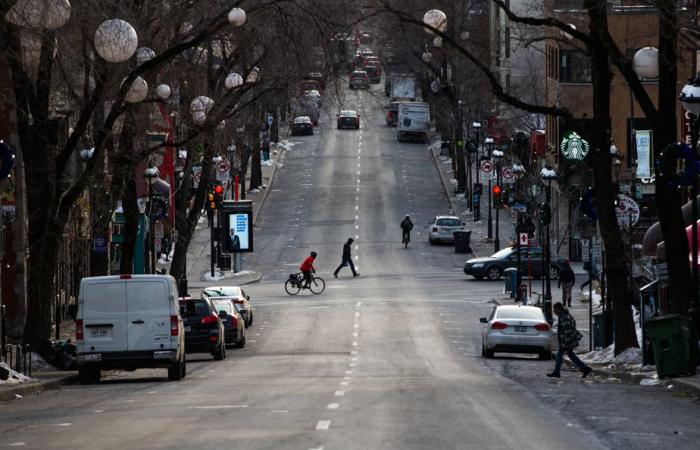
point(414, 122)
point(403, 87)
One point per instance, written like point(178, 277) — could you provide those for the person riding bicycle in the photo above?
point(406, 226)
point(307, 268)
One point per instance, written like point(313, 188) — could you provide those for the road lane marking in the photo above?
point(339, 286)
point(339, 393)
point(344, 383)
point(355, 334)
point(64, 424)
point(354, 344)
point(218, 407)
point(332, 406)
point(358, 304)
point(323, 424)
point(352, 364)
point(16, 444)
point(279, 411)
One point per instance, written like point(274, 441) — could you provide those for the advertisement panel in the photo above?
point(238, 226)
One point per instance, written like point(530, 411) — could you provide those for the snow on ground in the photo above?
point(253, 191)
point(448, 161)
point(39, 363)
point(286, 144)
point(241, 273)
point(13, 377)
point(269, 162)
point(206, 276)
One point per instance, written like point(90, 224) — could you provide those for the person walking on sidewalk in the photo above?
point(406, 227)
point(347, 259)
point(569, 338)
point(567, 279)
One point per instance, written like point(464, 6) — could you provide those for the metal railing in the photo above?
point(18, 358)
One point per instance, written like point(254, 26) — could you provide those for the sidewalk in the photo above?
point(40, 381)
point(198, 253)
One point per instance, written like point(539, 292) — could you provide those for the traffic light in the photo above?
point(219, 195)
point(496, 194)
point(545, 214)
point(211, 201)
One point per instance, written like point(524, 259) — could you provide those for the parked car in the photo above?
point(129, 322)
point(234, 324)
point(392, 114)
point(348, 119)
point(239, 297)
point(319, 78)
point(359, 79)
point(204, 331)
point(492, 267)
point(373, 73)
point(516, 329)
point(308, 85)
point(442, 229)
point(302, 125)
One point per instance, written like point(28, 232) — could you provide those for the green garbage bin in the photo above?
point(671, 339)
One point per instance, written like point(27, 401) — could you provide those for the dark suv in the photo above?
point(204, 330)
point(492, 267)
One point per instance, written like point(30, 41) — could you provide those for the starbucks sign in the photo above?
point(574, 146)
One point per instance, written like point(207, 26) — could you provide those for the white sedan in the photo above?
point(516, 329)
point(314, 95)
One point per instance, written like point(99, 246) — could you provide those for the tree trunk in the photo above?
point(617, 270)
point(255, 167)
point(131, 224)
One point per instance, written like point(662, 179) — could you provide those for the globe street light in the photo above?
point(548, 175)
point(690, 99)
point(497, 156)
point(151, 175)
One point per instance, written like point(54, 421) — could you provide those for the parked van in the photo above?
point(129, 322)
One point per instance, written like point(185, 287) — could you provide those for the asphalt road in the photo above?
point(388, 360)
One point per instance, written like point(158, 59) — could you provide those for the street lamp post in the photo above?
point(474, 150)
point(690, 98)
point(151, 175)
point(489, 143)
point(497, 156)
point(548, 175)
point(518, 171)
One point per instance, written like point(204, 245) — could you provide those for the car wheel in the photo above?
point(250, 322)
point(545, 355)
point(493, 273)
point(89, 374)
point(175, 371)
point(554, 272)
point(241, 343)
point(487, 353)
point(432, 241)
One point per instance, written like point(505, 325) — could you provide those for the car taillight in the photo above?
point(174, 328)
point(499, 326)
point(206, 320)
point(79, 330)
point(238, 301)
point(434, 229)
point(542, 327)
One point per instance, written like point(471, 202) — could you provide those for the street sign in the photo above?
point(269, 120)
point(507, 173)
point(662, 272)
point(523, 239)
point(626, 210)
point(156, 244)
point(158, 228)
point(585, 249)
point(196, 175)
point(222, 166)
point(486, 166)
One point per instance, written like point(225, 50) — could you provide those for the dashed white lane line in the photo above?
point(357, 314)
point(354, 352)
point(339, 393)
point(218, 407)
point(64, 424)
point(16, 444)
point(352, 364)
point(355, 334)
point(344, 383)
point(354, 344)
point(356, 257)
point(358, 304)
point(358, 182)
point(356, 326)
point(323, 424)
point(357, 236)
point(333, 406)
point(279, 411)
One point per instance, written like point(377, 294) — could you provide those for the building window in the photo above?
point(574, 67)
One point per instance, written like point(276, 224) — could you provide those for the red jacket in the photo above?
point(307, 265)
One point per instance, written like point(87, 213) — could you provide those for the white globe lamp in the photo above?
point(427, 57)
point(138, 91)
point(437, 42)
point(46, 14)
point(646, 63)
point(116, 40)
point(436, 19)
point(144, 54)
point(201, 104)
point(163, 91)
point(199, 117)
point(236, 17)
point(233, 80)
point(690, 97)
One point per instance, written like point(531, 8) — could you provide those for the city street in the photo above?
point(391, 359)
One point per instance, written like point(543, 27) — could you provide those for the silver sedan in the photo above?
point(516, 329)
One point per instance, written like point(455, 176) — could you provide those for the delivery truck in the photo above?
point(414, 122)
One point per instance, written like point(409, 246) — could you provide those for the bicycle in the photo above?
point(295, 283)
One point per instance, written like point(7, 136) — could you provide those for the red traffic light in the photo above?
point(496, 190)
point(219, 189)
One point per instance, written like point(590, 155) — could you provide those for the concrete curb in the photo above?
point(273, 171)
point(443, 181)
point(255, 278)
point(679, 384)
point(35, 387)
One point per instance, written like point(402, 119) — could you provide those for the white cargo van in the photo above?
point(129, 322)
point(414, 121)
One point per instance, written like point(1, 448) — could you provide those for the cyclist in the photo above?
point(307, 268)
point(406, 226)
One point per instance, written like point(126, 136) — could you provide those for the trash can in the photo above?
point(511, 278)
point(462, 239)
point(598, 331)
point(670, 337)
point(225, 262)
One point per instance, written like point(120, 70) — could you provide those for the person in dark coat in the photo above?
point(406, 227)
point(567, 279)
point(569, 338)
point(347, 259)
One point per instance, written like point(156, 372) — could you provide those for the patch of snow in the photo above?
point(629, 357)
point(13, 377)
point(448, 161)
point(242, 272)
point(253, 191)
point(604, 356)
point(264, 186)
point(39, 363)
point(460, 196)
point(649, 382)
point(453, 181)
point(269, 162)
point(206, 276)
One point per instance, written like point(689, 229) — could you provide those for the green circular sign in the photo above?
point(574, 146)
